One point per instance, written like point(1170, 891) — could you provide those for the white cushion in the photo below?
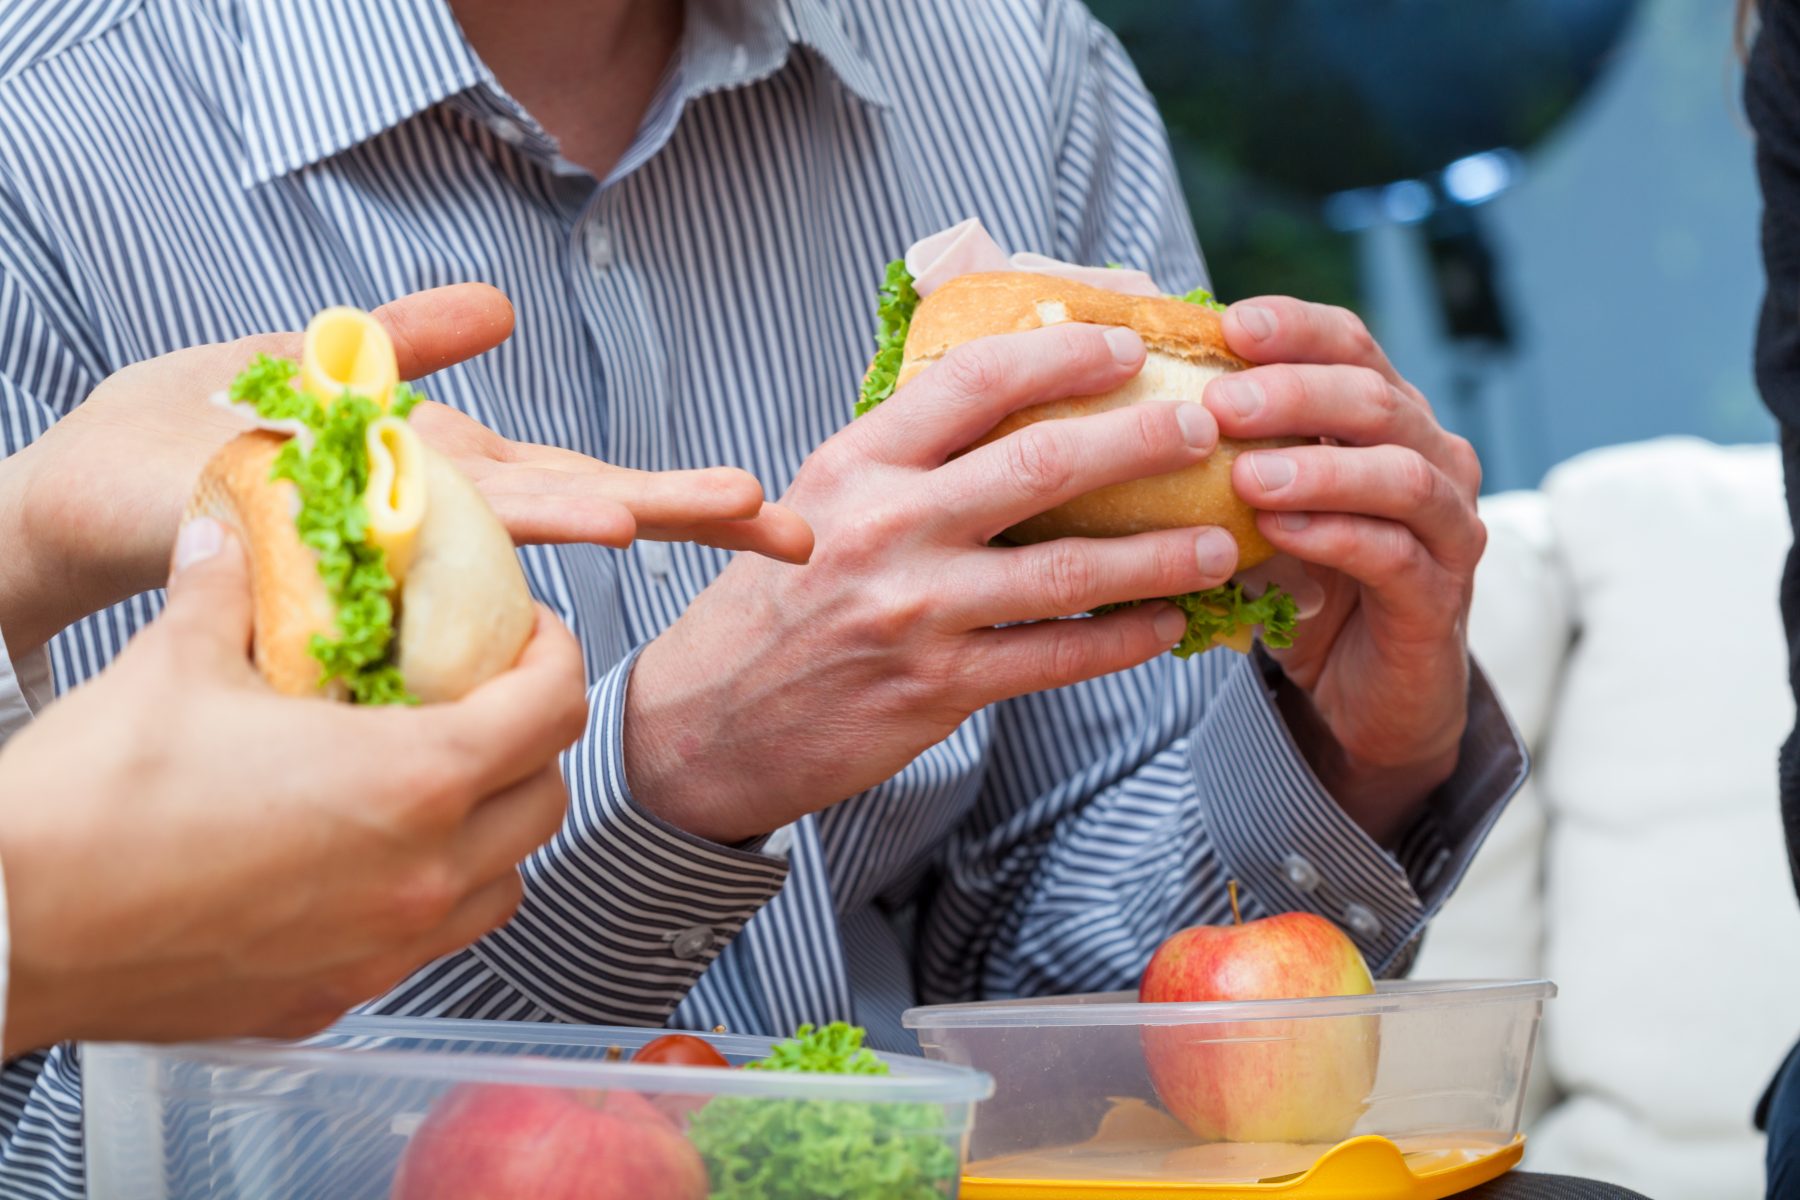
point(1670, 913)
point(1666, 914)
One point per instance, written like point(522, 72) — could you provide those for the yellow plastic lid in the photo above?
point(1362, 1168)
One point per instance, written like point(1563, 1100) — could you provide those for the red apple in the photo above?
point(1300, 1080)
point(501, 1142)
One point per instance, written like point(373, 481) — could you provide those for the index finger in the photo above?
point(442, 326)
point(507, 729)
point(1272, 329)
point(966, 393)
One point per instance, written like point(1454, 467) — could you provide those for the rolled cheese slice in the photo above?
point(1186, 350)
point(347, 350)
point(395, 497)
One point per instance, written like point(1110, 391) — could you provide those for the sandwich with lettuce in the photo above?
point(958, 285)
point(379, 574)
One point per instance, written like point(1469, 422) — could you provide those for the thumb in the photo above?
point(209, 591)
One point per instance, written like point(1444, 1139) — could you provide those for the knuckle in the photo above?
point(1377, 395)
point(1068, 656)
point(1357, 338)
point(1036, 463)
point(1416, 479)
point(1465, 461)
point(1068, 576)
point(423, 896)
point(971, 371)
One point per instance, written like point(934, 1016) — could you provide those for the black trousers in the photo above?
point(1519, 1185)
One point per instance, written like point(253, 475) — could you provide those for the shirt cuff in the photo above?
point(1291, 847)
point(24, 688)
point(622, 910)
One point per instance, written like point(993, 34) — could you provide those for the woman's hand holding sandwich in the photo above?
point(255, 864)
point(91, 508)
point(1385, 515)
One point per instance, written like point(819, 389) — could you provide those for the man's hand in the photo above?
point(1384, 515)
point(780, 692)
point(189, 855)
point(90, 510)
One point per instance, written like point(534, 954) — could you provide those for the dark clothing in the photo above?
point(1779, 1114)
point(1772, 101)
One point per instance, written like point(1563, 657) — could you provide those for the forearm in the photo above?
point(39, 593)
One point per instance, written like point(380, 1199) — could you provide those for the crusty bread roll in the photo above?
point(463, 611)
point(1186, 351)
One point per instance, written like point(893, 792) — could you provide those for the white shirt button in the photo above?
point(656, 558)
point(510, 132)
point(1361, 921)
point(599, 247)
point(1300, 873)
point(692, 943)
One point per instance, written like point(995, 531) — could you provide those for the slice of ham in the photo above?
point(967, 248)
point(255, 420)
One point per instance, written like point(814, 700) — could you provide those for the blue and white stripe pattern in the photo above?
point(187, 171)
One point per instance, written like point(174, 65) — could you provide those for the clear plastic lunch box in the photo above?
point(331, 1117)
point(1412, 1093)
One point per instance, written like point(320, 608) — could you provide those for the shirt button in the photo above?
point(656, 558)
point(510, 132)
point(1300, 873)
point(692, 943)
point(1361, 921)
point(599, 247)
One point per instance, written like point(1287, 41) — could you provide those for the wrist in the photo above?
point(673, 757)
point(1384, 798)
point(26, 592)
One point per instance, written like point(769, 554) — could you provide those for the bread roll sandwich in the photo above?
point(380, 575)
point(1186, 350)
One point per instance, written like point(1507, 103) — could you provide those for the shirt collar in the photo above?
point(321, 75)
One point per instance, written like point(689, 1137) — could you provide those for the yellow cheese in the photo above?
point(397, 493)
point(347, 350)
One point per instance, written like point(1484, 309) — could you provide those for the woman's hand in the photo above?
point(189, 855)
point(89, 511)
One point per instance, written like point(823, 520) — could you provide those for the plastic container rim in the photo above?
point(1124, 1008)
point(917, 1080)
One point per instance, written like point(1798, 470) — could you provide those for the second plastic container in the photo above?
point(1103, 1095)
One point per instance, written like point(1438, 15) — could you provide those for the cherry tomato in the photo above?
point(679, 1050)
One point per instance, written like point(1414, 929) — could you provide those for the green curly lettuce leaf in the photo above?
point(761, 1149)
point(894, 316)
point(331, 478)
point(1205, 299)
point(1229, 612)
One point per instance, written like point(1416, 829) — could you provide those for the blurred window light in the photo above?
point(1407, 202)
point(1479, 177)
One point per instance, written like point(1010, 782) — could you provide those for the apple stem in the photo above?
point(1237, 918)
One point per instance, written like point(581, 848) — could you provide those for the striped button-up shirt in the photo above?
point(189, 171)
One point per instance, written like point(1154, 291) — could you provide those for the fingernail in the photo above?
point(1127, 347)
point(1257, 321)
point(1292, 522)
point(1273, 471)
point(1170, 625)
point(200, 539)
point(1197, 428)
point(1215, 552)
point(1244, 395)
